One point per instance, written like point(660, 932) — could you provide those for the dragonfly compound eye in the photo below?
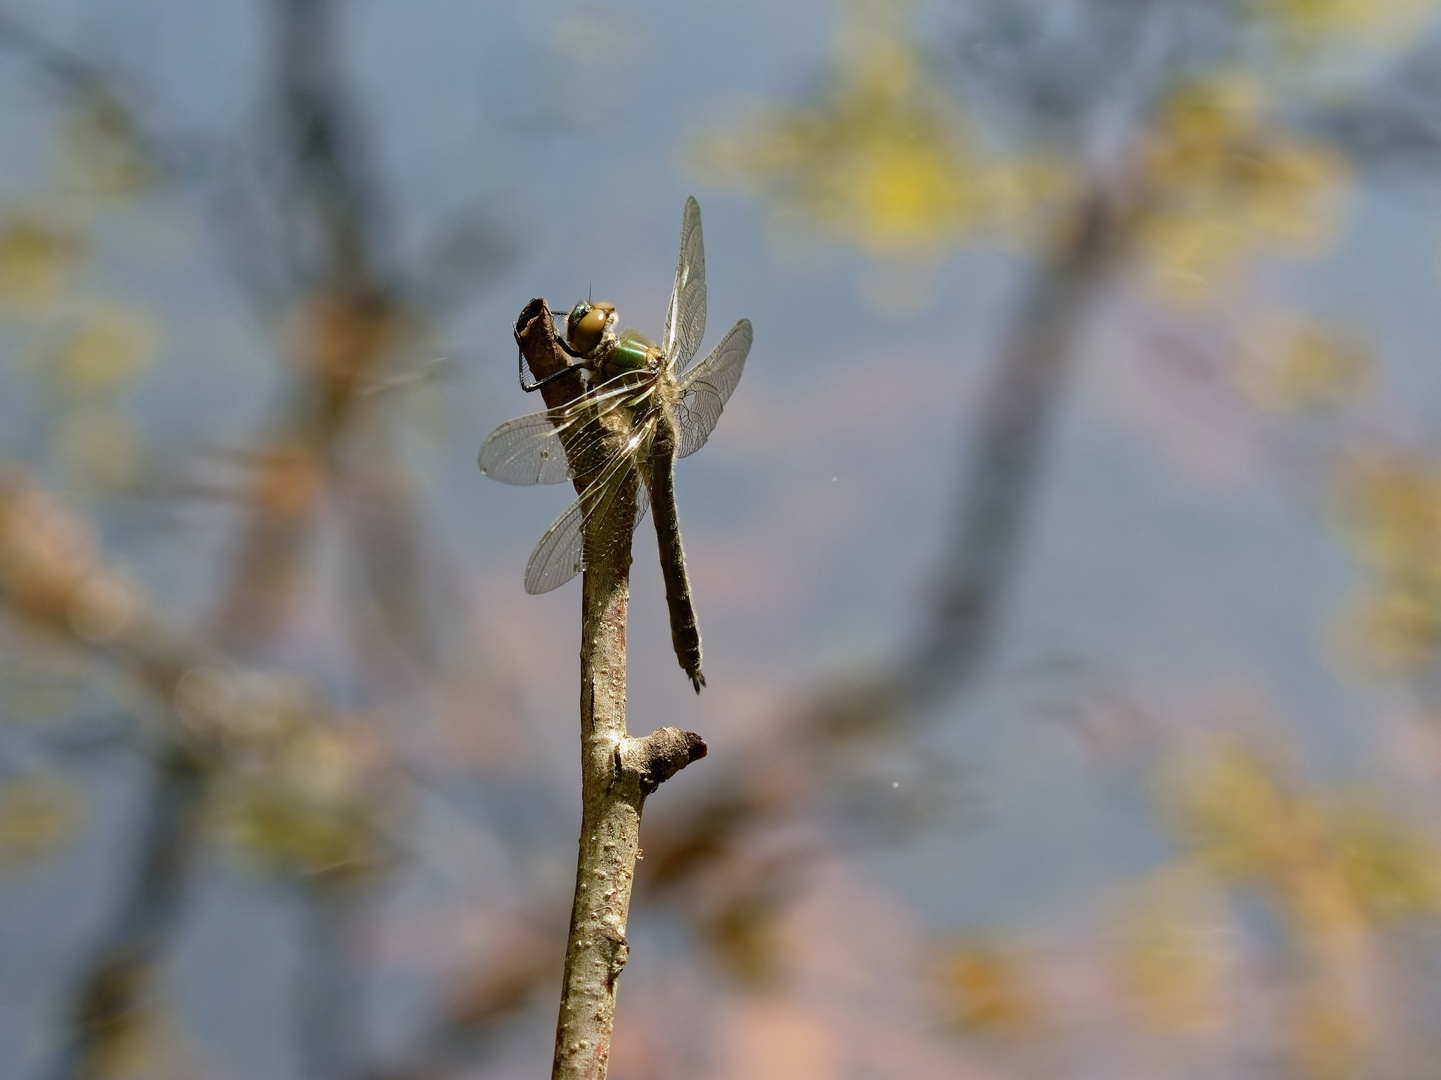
point(587, 325)
point(576, 314)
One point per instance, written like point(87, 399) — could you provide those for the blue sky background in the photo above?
point(1180, 561)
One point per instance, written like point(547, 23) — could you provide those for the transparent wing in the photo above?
point(707, 387)
point(560, 555)
point(685, 318)
point(531, 449)
point(526, 450)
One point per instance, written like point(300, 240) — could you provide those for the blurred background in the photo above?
point(1068, 559)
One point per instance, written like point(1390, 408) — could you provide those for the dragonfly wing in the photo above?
point(560, 554)
point(707, 387)
point(685, 318)
point(552, 446)
point(526, 450)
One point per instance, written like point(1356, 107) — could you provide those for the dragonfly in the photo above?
point(670, 406)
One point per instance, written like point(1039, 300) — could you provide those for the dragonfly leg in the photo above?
point(552, 377)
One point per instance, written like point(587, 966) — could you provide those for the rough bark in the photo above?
point(617, 770)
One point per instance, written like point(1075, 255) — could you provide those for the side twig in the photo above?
point(617, 770)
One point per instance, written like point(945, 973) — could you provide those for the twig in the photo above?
point(617, 771)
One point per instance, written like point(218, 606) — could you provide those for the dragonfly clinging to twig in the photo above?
point(671, 408)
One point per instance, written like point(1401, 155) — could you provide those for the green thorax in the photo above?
point(632, 352)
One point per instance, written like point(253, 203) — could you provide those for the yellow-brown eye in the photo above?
point(586, 332)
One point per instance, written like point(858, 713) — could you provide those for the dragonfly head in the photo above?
point(590, 325)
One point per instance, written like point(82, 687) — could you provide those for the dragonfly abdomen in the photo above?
point(684, 629)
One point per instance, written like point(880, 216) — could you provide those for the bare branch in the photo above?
point(617, 771)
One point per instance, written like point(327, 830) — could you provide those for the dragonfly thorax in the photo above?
point(629, 353)
point(590, 332)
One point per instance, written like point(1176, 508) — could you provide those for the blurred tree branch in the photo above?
point(313, 251)
point(54, 581)
point(998, 482)
point(345, 311)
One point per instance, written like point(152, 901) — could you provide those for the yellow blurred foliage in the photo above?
point(1304, 366)
point(1228, 806)
point(1331, 863)
point(599, 37)
point(1393, 630)
point(99, 351)
point(101, 149)
point(101, 448)
point(1218, 180)
point(1390, 508)
point(881, 158)
point(37, 814)
point(88, 359)
point(1323, 1039)
point(37, 255)
point(1383, 20)
point(986, 988)
point(141, 1042)
point(1392, 865)
point(1338, 867)
point(309, 806)
point(1172, 956)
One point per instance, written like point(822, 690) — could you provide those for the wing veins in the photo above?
point(540, 449)
point(708, 386)
point(685, 315)
point(560, 553)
